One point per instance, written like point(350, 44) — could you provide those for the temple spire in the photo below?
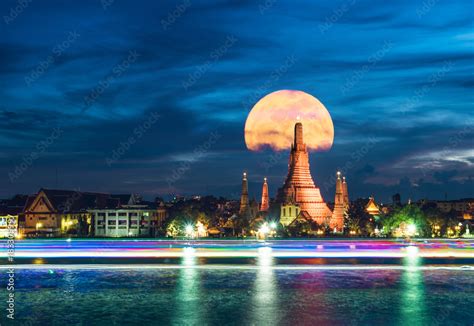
point(338, 212)
point(345, 194)
point(265, 200)
point(244, 198)
point(299, 144)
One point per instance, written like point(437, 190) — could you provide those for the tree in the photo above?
point(176, 226)
point(410, 215)
point(302, 227)
point(203, 218)
point(357, 219)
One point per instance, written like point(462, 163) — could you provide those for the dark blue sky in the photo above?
point(137, 96)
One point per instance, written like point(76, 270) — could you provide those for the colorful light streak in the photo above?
point(240, 248)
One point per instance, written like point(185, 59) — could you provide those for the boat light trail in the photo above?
point(65, 248)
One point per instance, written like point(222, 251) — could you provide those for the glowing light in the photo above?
point(126, 248)
point(412, 251)
point(68, 240)
point(271, 121)
point(189, 251)
point(273, 225)
point(411, 228)
point(189, 257)
point(189, 230)
point(264, 229)
point(265, 251)
point(201, 229)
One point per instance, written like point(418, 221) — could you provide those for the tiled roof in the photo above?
point(75, 201)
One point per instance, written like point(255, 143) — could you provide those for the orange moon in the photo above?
point(271, 122)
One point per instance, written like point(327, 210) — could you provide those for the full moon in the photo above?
point(271, 122)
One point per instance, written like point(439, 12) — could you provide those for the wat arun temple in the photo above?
point(300, 197)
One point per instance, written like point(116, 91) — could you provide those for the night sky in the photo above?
point(138, 96)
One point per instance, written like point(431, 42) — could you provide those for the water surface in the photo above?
point(258, 295)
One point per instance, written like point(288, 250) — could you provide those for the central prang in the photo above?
point(299, 194)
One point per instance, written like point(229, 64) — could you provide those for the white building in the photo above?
point(125, 222)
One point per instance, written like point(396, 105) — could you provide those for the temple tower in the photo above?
point(337, 220)
point(345, 194)
point(299, 187)
point(265, 200)
point(244, 197)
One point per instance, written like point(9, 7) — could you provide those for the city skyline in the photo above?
point(159, 106)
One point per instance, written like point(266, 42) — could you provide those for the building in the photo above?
point(340, 204)
point(299, 187)
point(127, 215)
point(460, 205)
point(61, 212)
point(372, 207)
point(126, 221)
point(265, 205)
point(67, 212)
point(244, 197)
point(345, 193)
point(11, 212)
point(288, 213)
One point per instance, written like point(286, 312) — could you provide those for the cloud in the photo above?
point(406, 141)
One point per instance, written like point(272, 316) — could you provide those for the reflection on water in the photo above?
point(412, 306)
point(256, 295)
point(265, 292)
point(188, 292)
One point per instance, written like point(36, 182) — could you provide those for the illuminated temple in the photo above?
point(265, 205)
point(300, 190)
point(341, 202)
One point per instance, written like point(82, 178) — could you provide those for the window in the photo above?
point(122, 214)
point(133, 214)
point(112, 222)
point(101, 214)
point(122, 222)
point(284, 211)
point(290, 211)
point(112, 214)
